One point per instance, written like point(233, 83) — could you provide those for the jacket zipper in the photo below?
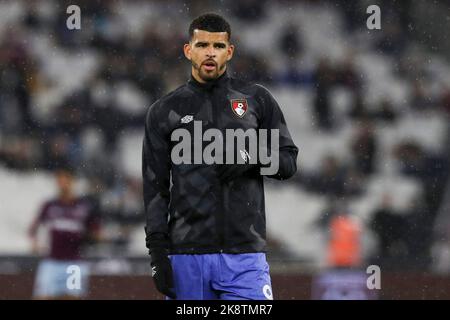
point(221, 215)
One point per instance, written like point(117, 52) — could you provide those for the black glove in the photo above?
point(229, 172)
point(162, 272)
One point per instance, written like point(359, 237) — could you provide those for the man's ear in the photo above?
point(187, 50)
point(230, 52)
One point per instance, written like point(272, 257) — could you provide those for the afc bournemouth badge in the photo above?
point(239, 107)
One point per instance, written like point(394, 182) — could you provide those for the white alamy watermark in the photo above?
point(374, 280)
point(374, 20)
point(73, 22)
point(241, 147)
point(73, 281)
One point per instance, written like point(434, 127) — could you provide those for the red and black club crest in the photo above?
point(239, 107)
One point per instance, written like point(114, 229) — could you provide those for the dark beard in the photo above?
point(207, 77)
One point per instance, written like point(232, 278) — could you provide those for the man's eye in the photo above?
point(219, 46)
point(202, 45)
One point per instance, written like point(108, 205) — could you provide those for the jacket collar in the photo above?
point(210, 85)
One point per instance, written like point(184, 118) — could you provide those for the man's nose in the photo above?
point(211, 53)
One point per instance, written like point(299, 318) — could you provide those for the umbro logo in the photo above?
point(153, 271)
point(187, 118)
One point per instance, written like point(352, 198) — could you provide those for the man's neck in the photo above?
point(196, 76)
point(66, 198)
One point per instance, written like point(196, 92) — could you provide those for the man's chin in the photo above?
point(209, 76)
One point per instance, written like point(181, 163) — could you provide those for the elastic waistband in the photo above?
point(209, 250)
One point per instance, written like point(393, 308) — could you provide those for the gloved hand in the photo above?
point(162, 272)
point(229, 172)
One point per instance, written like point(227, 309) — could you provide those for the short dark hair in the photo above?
point(210, 22)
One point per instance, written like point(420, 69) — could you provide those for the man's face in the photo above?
point(64, 180)
point(209, 53)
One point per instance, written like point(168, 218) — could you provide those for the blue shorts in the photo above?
point(56, 278)
point(221, 276)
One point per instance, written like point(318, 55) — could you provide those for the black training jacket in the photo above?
point(188, 210)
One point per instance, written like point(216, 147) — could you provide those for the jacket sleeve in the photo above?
point(156, 167)
point(273, 118)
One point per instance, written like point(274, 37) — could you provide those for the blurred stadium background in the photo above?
point(368, 109)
